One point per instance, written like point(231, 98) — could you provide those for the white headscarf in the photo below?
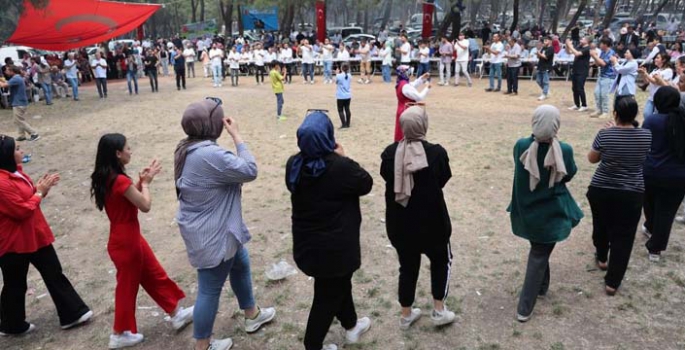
point(546, 123)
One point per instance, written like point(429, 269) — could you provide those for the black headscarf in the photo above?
point(667, 101)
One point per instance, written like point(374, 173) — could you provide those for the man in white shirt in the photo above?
point(446, 51)
point(365, 65)
point(189, 55)
point(405, 50)
point(307, 53)
point(424, 59)
point(71, 66)
point(216, 56)
point(99, 66)
point(496, 51)
point(259, 57)
point(286, 56)
point(234, 65)
point(461, 66)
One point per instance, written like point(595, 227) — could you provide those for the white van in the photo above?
point(16, 53)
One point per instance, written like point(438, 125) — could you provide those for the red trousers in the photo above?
point(137, 266)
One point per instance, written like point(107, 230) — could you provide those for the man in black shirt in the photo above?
point(545, 63)
point(150, 62)
point(581, 68)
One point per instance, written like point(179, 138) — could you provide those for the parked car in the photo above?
point(16, 53)
point(357, 38)
point(344, 31)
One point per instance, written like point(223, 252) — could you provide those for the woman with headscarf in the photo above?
point(664, 169)
point(407, 93)
point(417, 221)
point(209, 180)
point(325, 187)
point(542, 209)
point(26, 238)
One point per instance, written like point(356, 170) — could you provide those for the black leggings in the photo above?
point(410, 263)
point(332, 298)
point(615, 215)
point(70, 306)
point(259, 72)
point(344, 111)
point(289, 72)
point(578, 87)
point(662, 200)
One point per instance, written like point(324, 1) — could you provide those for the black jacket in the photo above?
point(326, 217)
point(425, 221)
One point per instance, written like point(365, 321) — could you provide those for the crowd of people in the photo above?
point(641, 168)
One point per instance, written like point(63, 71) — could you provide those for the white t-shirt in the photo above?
point(246, 56)
point(344, 55)
point(365, 52)
point(234, 60)
point(327, 52)
point(666, 75)
point(498, 58)
point(72, 73)
point(100, 71)
point(406, 52)
point(307, 54)
point(462, 54)
point(259, 56)
point(286, 55)
point(215, 55)
point(386, 53)
point(189, 54)
point(424, 55)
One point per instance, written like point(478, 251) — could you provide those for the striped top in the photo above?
point(210, 212)
point(623, 152)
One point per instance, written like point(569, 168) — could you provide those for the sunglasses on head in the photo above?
point(218, 101)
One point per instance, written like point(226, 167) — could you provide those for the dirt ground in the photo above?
point(478, 130)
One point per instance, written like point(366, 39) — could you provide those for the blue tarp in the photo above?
point(260, 19)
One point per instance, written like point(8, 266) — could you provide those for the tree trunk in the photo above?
point(386, 13)
point(581, 8)
point(227, 15)
point(659, 8)
point(515, 20)
point(598, 7)
point(555, 19)
point(610, 13)
point(241, 28)
point(543, 7)
point(193, 10)
point(202, 10)
point(366, 21)
point(475, 7)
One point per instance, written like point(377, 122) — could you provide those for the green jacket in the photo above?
point(545, 215)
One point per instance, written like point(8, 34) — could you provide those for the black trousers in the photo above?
point(578, 87)
point(332, 298)
point(101, 84)
point(154, 84)
point(537, 278)
point(513, 79)
point(344, 111)
point(410, 263)
point(615, 216)
point(289, 72)
point(662, 200)
point(259, 73)
point(180, 79)
point(15, 267)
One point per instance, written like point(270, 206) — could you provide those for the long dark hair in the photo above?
point(345, 68)
point(7, 147)
point(107, 167)
point(667, 101)
point(626, 111)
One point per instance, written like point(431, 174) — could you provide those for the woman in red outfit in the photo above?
point(407, 94)
point(25, 238)
point(136, 264)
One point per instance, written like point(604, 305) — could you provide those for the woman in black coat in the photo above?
point(417, 220)
point(325, 188)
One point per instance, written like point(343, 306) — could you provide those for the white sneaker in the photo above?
point(220, 344)
point(542, 97)
point(680, 219)
point(124, 340)
point(83, 319)
point(405, 323)
point(360, 81)
point(444, 317)
point(264, 316)
point(363, 325)
point(582, 109)
point(32, 327)
point(330, 347)
point(183, 318)
point(522, 318)
point(603, 116)
point(441, 83)
point(654, 257)
point(574, 108)
point(367, 81)
point(646, 232)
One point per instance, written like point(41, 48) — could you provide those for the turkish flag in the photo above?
point(68, 24)
point(427, 20)
point(321, 20)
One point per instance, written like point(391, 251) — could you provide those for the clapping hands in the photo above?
point(148, 174)
point(46, 182)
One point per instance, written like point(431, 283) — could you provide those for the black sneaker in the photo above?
point(489, 90)
point(34, 137)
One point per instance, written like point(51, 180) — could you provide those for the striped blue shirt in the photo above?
point(210, 212)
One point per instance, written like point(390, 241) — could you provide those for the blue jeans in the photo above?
point(387, 78)
point(279, 103)
point(543, 81)
point(602, 94)
point(211, 282)
point(327, 70)
point(495, 71)
point(308, 70)
point(74, 87)
point(47, 90)
point(649, 109)
point(472, 65)
point(424, 68)
point(132, 75)
point(216, 74)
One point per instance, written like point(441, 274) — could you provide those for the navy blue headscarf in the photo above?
point(316, 140)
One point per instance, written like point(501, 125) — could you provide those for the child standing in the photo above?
point(277, 85)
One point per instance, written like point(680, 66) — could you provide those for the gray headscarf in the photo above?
point(410, 155)
point(200, 123)
point(546, 123)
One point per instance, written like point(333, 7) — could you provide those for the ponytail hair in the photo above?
point(345, 68)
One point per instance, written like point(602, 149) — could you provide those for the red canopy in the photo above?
point(68, 24)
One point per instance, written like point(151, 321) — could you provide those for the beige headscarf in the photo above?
point(546, 122)
point(410, 156)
